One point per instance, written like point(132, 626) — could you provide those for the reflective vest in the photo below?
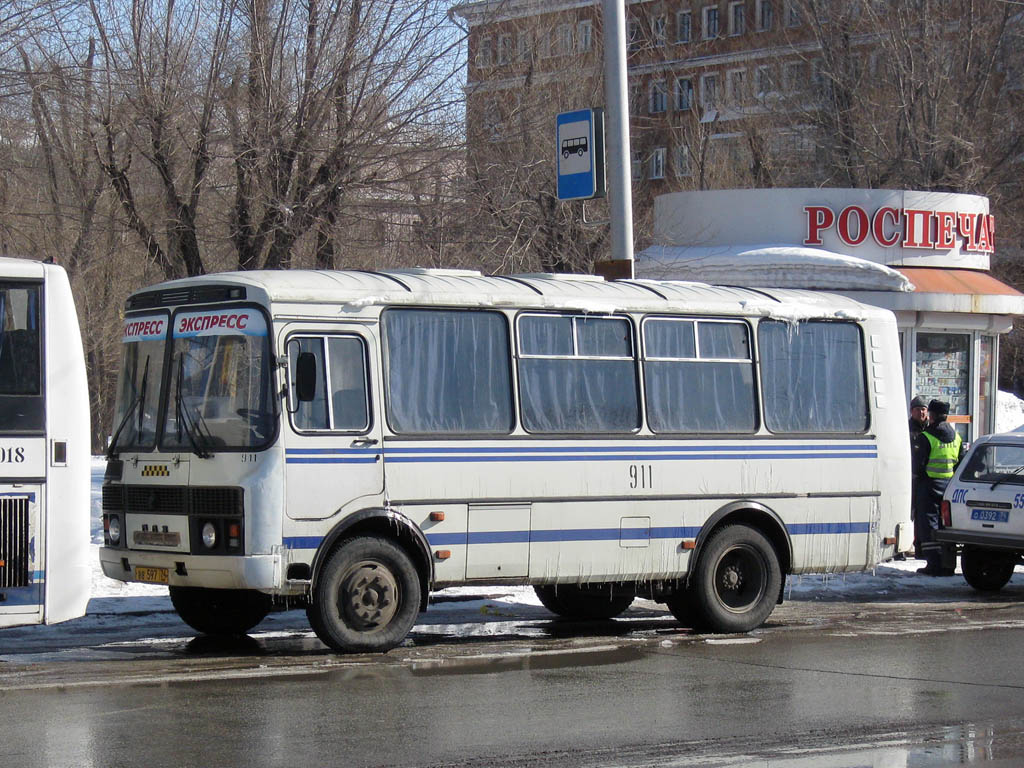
point(942, 458)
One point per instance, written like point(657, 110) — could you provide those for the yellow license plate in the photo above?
point(151, 575)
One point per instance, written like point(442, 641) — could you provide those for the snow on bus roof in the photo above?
point(354, 289)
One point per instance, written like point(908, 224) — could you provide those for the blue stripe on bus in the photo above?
point(576, 454)
point(30, 595)
point(590, 534)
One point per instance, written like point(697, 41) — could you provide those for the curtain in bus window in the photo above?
point(593, 390)
point(311, 414)
point(698, 395)
point(813, 377)
point(449, 371)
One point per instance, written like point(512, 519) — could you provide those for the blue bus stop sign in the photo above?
point(579, 143)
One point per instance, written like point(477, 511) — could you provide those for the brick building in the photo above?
point(719, 91)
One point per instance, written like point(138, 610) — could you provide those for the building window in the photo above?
point(792, 14)
point(762, 80)
point(709, 91)
point(684, 94)
point(636, 165)
point(736, 85)
point(563, 40)
point(765, 15)
point(659, 97)
point(484, 55)
point(584, 36)
point(792, 77)
point(737, 18)
point(657, 163)
point(658, 30)
point(505, 49)
point(684, 166)
point(544, 44)
point(684, 27)
point(523, 46)
point(633, 35)
point(710, 22)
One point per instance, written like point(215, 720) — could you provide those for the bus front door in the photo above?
point(333, 451)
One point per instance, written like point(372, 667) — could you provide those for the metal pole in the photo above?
point(620, 192)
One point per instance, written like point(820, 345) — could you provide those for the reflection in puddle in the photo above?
point(955, 745)
point(527, 659)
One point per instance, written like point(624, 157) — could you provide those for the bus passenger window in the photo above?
point(348, 384)
point(698, 376)
point(19, 340)
point(577, 374)
point(813, 377)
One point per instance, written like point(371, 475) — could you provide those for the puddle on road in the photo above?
point(987, 746)
point(527, 659)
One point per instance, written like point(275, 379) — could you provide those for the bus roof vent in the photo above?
point(434, 272)
point(562, 276)
point(188, 294)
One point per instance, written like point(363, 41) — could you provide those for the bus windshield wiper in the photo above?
point(136, 405)
point(1004, 478)
point(186, 422)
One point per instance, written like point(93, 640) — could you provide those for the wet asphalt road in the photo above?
point(843, 684)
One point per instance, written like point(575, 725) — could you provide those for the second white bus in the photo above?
point(45, 576)
point(353, 441)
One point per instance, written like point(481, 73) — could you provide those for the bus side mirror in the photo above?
point(305, 377)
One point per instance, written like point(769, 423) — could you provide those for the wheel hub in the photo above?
point(369, 596)
point(732, 578)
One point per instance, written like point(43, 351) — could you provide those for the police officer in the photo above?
point(938, 451)
point(917, 422)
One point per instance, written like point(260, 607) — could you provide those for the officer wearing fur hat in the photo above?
point(938, 449)
point(917, 422)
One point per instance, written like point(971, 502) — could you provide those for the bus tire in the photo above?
point(735, 583)
point(367, 596)
point(574, 602)
point(220, 611)
point(986, 570)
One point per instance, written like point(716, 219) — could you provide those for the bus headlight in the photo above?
point(114, 529)
point(209, 535)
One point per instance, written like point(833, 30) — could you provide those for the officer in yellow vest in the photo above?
point(938, 451)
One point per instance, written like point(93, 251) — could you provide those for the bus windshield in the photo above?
point(138, 388)
point(219, 383)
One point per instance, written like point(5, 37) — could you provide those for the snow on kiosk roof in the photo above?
point(351, 290)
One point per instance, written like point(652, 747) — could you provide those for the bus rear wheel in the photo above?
point(220, 611)
point(986, 570)
point(574, 602)
point(366, 598)
point(735, 584)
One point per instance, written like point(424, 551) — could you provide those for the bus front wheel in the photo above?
point(575, 602)
point(220, 611)
point(735, 583)
point(366, 598)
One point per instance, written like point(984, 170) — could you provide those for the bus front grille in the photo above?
point(173, 500)
point(14, 543)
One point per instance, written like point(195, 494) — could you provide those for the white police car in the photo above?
point(983, 510)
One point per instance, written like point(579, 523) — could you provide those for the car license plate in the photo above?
point(151, 575)
point(991, 515)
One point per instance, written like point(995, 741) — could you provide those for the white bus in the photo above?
point(44, 448)
point(354, 440)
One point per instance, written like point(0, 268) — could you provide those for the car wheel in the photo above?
point(986, 570)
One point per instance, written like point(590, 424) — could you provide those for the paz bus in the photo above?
point(350, 441)
point(45, 575)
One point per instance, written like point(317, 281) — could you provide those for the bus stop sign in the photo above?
point(579, 143)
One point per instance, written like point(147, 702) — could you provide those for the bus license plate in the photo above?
point(991, 515)
point(151, 575)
